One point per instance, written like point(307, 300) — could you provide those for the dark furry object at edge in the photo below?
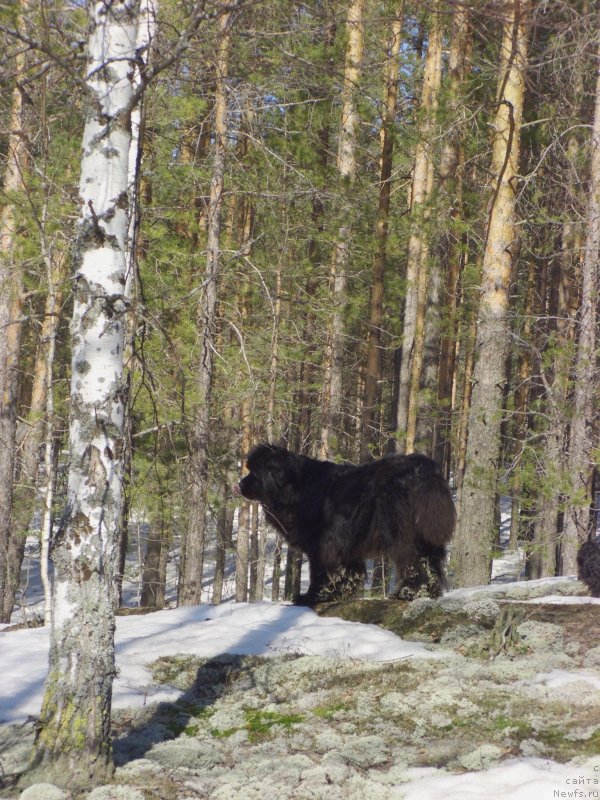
point(341, 514)
point(588, 566)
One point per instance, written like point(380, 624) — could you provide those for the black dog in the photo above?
point(588, 566)
point(340, 514)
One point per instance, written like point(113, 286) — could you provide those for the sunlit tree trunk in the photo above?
point(346, 166)
point(191, 583)
point(72, 747)
point(11, 301)
point(583, 429)
point(417, 268)
point(374, 359)
point(476, 532)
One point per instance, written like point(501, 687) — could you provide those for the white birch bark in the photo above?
point(73, 744)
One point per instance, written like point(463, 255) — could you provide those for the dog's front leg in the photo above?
point(318, 576)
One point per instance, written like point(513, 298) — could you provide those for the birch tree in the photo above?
point(73, 742)
point(477, 526)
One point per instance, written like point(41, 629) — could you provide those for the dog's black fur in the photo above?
point(340, 514)
point(588, 566)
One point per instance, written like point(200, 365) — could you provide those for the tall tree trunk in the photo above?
point(521, 412)
point(293, 573)
point(346, 166)
point(257, 564)
point(307, 402)
point(417, 268)
point(550, 491)
point(476, 531)
point(373, 369)
point(242, 546)
point(42, 420)
point(452, 257)
point(145, 35)
point(153, 579)
point(224, 539)
point(583, 432)
point(460, 459)
point(191, 585)
point(11, 300)
point(73, 747)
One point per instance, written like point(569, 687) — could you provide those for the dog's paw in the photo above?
point(306, 600)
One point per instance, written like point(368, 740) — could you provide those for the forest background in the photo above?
point(354, 228)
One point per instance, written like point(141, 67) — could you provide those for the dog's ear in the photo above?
point(282, 470)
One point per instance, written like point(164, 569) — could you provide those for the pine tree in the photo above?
point(191, 579)
point(583, 432)
point(477, 524)
point(374, 360)
point(417, 267)
point(11, 303)
point(346, 166)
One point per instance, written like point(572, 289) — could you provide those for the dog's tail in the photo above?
point(435, 515)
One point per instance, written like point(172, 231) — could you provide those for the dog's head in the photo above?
point(272, 474)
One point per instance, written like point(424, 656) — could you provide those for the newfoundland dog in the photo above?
point(588, 566)
point(340, 514)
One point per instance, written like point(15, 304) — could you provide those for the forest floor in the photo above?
point(509, 676)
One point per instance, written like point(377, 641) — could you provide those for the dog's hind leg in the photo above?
point(419, 575)
point(412, 580)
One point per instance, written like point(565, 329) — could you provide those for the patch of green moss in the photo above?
point(424, 623)
point(329, 712)
point(179, 728)
point(259, 723)
point(223, 734)
point(516, 730)
point(561, 746)
point(179, 670)
point(402, 676)
point(373, 611)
